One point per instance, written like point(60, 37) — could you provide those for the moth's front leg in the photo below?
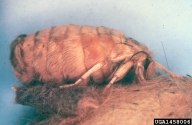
point(151, 70)
point(167, 71)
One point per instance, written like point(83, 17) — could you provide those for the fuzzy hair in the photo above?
point(68, 106)
point(162, 97)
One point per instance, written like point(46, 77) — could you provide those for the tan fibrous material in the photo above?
point(51, 100)
point(71, 104)
point(135, 104)
point(62, 54)
point(163, 97)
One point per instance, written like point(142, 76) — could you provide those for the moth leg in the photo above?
point(166, 70)
point(139, 69)
point(120, 73)
point(120, 58)
point(85, 75)
point(150, 70)
point(140, 75)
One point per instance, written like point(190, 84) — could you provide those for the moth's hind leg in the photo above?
point(86, 74)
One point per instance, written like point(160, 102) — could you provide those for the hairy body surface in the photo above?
point(77, 54)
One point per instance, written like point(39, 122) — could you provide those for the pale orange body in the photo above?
point(72, 53)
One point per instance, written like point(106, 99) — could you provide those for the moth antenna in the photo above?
point(165, 55)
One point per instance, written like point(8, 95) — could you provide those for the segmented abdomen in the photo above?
point(62, 54)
